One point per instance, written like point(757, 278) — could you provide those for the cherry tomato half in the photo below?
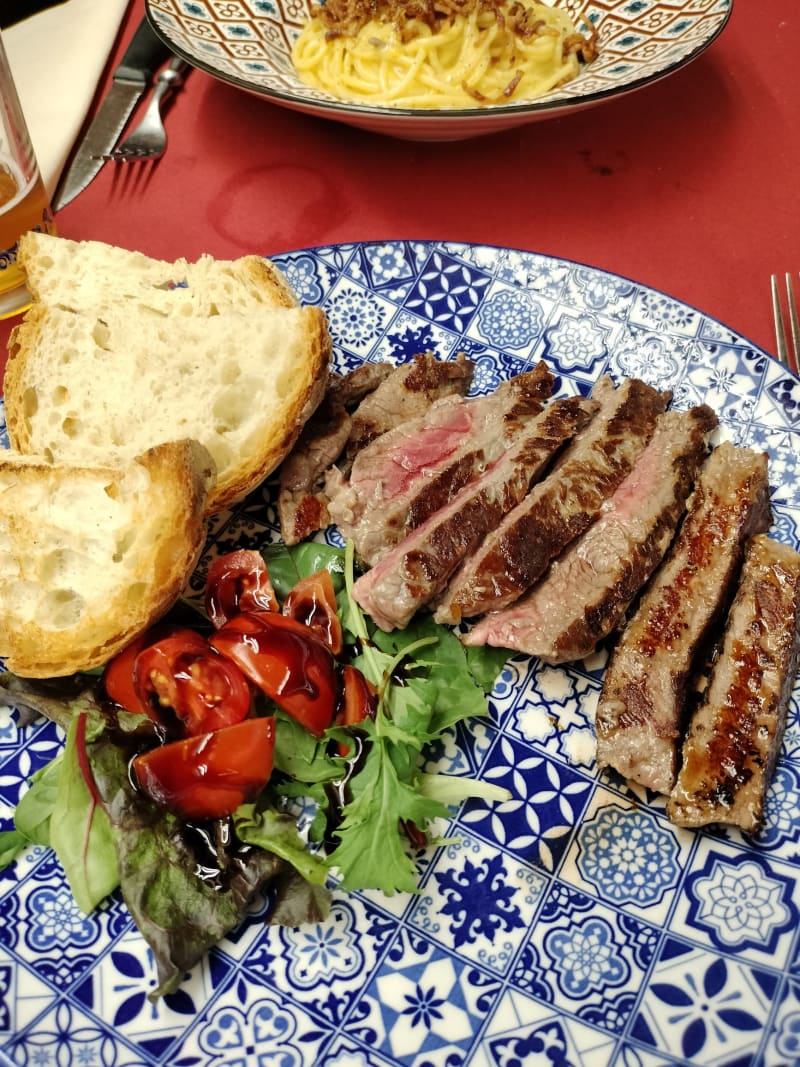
point(238, 581)
point(312, 601)
point(182, 675)
point(208, 777)
point(286, 661)
point(119, 677)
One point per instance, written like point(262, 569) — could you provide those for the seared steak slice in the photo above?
point(351, 388)
point(588, 589)
point(641, 708)
point(733, 740)
point(558, 509)
point(302, 503)
point(408, 392)
point(410, 472)
point(419, 566)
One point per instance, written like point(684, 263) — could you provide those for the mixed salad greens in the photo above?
point(193, 815)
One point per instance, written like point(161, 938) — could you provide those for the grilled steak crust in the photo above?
point(733, 740)
point(555, 512)
point(411, 471)
point(406, 393)
point(588, 589)
point(641, 708)
point(419, 566)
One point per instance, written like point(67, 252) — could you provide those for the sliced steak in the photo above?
point(588, 589)
point(640, 714)
point(410, 472)
point(351, 388)
point(558, 509)
point(419, 566)
point(734, 738)
point(302, 502)
point(405, 394)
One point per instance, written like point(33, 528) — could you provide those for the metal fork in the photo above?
point(149, 139)
point(787, 353)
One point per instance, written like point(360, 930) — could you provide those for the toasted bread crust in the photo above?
point(91, 275)
point(94, 555)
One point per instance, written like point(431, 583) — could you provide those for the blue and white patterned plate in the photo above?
point(572, 926)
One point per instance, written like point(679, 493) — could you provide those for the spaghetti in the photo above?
point(442, 54)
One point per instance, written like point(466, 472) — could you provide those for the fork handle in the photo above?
point(170, 77)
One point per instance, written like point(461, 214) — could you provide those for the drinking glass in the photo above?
point(23, 199)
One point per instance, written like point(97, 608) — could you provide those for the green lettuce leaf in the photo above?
point(277, 832)
point(33, 812)
point(80, 832)
point(12, 843)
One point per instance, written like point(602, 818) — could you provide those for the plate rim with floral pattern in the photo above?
point(247, 43)
point(571, 925)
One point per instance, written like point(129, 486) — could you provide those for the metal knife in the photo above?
point(144, 55)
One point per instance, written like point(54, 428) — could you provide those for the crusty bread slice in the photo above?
point(90, 557)
point(88, 388)
point(91, 276)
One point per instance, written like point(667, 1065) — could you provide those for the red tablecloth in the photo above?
point(688, 185)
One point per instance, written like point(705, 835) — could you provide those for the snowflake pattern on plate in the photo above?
point(570, 925)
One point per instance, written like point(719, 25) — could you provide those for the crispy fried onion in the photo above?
point(344, 18)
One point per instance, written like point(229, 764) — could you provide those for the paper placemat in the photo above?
point(58, 58)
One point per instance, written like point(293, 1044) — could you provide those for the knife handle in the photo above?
point(143, 56)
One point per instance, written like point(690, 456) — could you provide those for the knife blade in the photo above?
point(129, 82)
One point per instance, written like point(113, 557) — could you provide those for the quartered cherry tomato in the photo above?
point(182, 675)
point(209, 776)
point(359, 701)
point(238, 581)
point(286, 661)
point(312, 601)
point(360, 697)
point(119, 677)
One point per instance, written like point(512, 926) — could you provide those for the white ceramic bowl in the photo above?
point(248, 43)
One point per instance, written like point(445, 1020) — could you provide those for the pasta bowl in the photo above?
point(248, 43)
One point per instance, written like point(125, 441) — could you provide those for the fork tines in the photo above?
point(787, 352)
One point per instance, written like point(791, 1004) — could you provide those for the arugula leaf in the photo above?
point(424, 686)
point(485, 663)
point(80, 832)
point(371, 853)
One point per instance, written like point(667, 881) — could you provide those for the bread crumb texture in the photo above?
point(90, 556)
point(81, 388)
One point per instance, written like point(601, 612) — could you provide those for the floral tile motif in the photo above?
point(748, 903)
point(627, 854)
point(571, 925)
point(479, 902)
point(707, 1008)
point(423, 1004)
point(587, 960)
